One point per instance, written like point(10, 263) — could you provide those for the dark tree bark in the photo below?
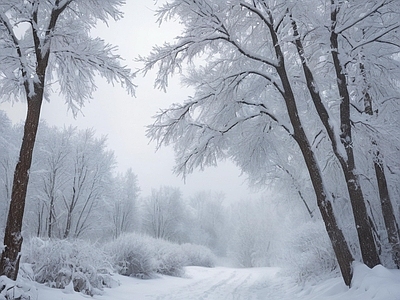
point(339, 243)
point(10, 257)
point(336, 236)
point(9, 263)
point(365, 235)
point(392, 227)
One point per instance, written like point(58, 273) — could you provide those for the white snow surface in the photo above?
point(222, 283)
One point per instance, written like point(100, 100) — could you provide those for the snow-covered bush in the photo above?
point(197, 255)
point(132, 255)
point(143, 256)
point(21, 289)
point(58, 263)
point(169, 258)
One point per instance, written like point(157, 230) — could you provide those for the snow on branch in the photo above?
point(206, 28)
point(362, 15)
point(376, 37)
point(78, 63)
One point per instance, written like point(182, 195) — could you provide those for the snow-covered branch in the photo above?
point(363, 15)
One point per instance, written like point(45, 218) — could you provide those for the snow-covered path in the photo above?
point(198, 284)
point(222, 283)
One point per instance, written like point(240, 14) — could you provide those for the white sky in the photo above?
point(122, 118)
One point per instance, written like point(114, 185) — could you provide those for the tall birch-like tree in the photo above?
point(49, 177)
point(163, 213)
point(124, 211)
point(42, 43)
point(270, 75)
point(8, 136)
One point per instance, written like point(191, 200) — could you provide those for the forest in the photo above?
point(302, 96)
point(76, 199)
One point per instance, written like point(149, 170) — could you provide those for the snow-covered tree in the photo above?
point(70, 184)
point(207, 222)
point(50, 176)
point(368, 82)
point(124, 203)
point(350, 42)
point(251, 233)
point(9, 136)
point(163, 213)
point(45, 43)
point(275, 77)
point(244, 96)
point(90, 175)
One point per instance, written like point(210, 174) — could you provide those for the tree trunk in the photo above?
point(364, 230)
point(52, 217)
point(336, 236)
point(365, 235)
point(68, 225)
point(391, 225)
point(339, 243)
point(9, 263)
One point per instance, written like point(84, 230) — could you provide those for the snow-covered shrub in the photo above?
point(57, 263)
point(197, 255)
point(169, 258)
point(132, 255)
point(143, 256)
point(21, 289)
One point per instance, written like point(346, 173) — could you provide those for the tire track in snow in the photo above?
point(221, 284)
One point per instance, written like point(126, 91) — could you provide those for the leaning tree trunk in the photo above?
point(336, 236)
point(392, 227)
point(9, 263)
point(366, 240)
point(368, 248)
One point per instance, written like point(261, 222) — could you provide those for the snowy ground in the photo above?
point(247, 284)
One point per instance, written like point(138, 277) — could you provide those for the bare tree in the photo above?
point(55, 45)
